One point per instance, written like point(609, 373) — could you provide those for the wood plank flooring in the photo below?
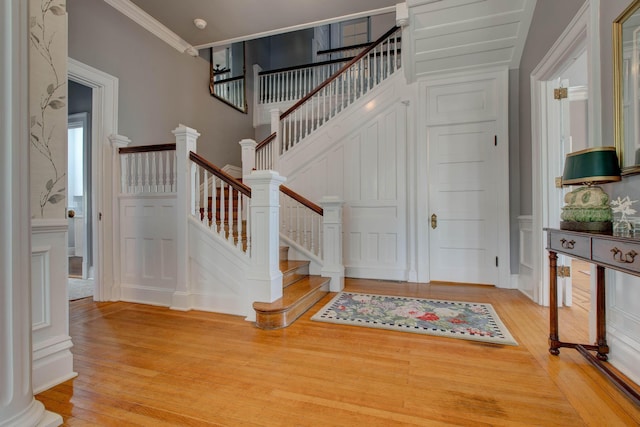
point(141, 365)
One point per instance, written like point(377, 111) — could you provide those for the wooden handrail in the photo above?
point(310, 65)
point(266, 141)
point(340, 49)
point(230, 79)
point(342, 70)
point(147, 148)
point(298, 198)
point(213, 169)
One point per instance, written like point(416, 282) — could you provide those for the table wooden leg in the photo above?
point(601, 315)
point(553, 304)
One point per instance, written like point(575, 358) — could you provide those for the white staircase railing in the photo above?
point(301, 221)
point(230, 91)
point(236, 261)
point(359, 76)
point(220, 202)
point(291, 84)
point(148, 169)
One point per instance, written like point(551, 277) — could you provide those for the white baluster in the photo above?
point(146, 186)
point(194, 172)
point(154, 178)
point(124, 172)
point(221, 210)
point(196, 188)
point(205, 184)
point(239, 227)
point(304, 228)
point(161, 175)
point(230, 219)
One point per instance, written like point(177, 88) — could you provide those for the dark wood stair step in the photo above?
point(296, 300)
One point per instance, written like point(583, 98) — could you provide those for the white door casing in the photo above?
point(104, 123)
point(472, 104)
point(568, 47)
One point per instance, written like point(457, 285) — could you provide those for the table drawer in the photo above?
point(570, 244)
point(624, 255)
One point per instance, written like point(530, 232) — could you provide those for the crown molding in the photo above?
point(313, 24)
point(152, 25)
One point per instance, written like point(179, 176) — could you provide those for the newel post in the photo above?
point(332, 242)
point(248, 156)
point(186, 139)
point(265, 277)
point(275, 127)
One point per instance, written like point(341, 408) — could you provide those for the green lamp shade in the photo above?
point(596, 165)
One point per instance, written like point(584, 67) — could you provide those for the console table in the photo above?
point(606, 251)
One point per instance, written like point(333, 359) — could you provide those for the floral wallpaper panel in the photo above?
point(48, 107)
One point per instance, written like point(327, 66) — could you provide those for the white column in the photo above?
point(17, 404)
point(265, 278)
point(248, 156)
point(186, 142)
point(275, 144)
point(332, 242)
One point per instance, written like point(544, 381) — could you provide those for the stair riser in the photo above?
point(290, 277)
point(278, 320)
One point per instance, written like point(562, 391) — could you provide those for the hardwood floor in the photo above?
point(151, 366)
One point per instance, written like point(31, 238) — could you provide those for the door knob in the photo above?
point(434, 221)
point(71, 213)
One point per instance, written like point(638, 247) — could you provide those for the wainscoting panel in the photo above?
point(148, 248)
point(623, 323)
point(361, 158)
point(40, 287)
point(52, 358)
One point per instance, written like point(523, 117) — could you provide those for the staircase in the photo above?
point(300, 292)
point(222, 220)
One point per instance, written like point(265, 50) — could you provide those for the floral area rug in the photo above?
point(464, 320)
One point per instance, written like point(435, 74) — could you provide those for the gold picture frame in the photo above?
point(626, 88)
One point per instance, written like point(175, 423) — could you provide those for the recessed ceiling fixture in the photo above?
point(200, 23)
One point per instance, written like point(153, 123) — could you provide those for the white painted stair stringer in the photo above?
point(217, 274)
point(360, 156)
point(340, 126)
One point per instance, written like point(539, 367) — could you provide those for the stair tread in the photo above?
point(289, 265)
point(292, 294)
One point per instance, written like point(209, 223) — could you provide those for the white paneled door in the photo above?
point(463, 203)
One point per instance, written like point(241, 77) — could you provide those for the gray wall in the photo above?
point(550, 19)
point(159, 86)
point(79, 97)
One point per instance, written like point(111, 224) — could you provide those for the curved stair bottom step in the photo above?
point(296, 300)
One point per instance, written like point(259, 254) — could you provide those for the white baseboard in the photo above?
point(52, 363)
point(146, 295)
point(624, 354)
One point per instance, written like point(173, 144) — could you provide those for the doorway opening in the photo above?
point(79, 190)
point(104, 124)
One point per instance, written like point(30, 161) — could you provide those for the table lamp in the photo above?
point(587, 207)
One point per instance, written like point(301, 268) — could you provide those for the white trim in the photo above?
point(577, 36)
point(104, 123)
point(578, 93)
point(276, 31)
point(152, 25)
point(17, 404)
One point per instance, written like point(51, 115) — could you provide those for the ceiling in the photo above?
point(235, 20)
